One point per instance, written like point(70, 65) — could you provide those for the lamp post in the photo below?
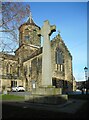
point(86, 69)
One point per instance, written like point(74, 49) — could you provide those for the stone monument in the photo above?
point(46, 31)
point(46, 87)
point(47, 94)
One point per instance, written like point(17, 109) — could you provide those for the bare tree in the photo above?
point(12, 15)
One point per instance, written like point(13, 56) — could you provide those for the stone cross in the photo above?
point(46, 32)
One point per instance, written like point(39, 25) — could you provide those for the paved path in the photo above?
point(71, 106)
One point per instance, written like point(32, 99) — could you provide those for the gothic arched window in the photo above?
point(10, 68)
point(59, 59)
point(59, 56)
point(26, 34)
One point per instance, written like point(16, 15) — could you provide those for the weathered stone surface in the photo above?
point(29, 30)
point(52, 99)
point(47, 91)
point(46, 31)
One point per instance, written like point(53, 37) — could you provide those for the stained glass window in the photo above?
point(59, 60)
point(59, 56)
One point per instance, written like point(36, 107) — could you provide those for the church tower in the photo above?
point(29, 42)
point(28, 33)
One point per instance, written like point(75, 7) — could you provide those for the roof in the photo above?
point(29, 22)
point(30, 45)
point(36, 53)
point(57, 38)
point(7, 56)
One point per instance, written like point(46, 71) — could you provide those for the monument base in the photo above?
point(47, 91)
point(55, 99)
point(47, 96)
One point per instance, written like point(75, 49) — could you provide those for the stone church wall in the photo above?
point(26, 64)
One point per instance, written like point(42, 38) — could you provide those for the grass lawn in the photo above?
point(11, 97)
point(14, 97)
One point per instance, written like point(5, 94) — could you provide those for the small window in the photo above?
point(7, 68)
point(27, 37)
point(13, 83)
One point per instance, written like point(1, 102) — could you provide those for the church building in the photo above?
point(25, 67)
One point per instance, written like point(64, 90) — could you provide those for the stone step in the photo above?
point(44, 99)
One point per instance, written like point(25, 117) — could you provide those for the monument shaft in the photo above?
point(46, 31)
point(46, 63)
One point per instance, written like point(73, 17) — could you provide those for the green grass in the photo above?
point(11, 97)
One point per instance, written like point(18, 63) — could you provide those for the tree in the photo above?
point(12, 15)
point(85, 85)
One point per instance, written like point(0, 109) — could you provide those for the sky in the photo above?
point(70, 19)
point(44, 0)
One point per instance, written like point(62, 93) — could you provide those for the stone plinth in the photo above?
point(46, 95)
point(53, 99)
point(47, 91)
